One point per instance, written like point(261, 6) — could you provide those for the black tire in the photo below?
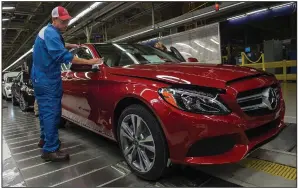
point(14, 101)
point(23, 104)
point(159, 167)
point(5, 96)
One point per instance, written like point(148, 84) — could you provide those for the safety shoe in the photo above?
point(42, 142)
point(55, 156)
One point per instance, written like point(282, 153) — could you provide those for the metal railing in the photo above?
point(278, 64)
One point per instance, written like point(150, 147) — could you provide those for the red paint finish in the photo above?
point(94, 97)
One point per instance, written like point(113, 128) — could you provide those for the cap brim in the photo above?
point(66, 17)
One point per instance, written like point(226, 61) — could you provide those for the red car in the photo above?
point(163, 111)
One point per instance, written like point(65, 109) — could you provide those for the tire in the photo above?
point(5, 96)
point(14, 101)
point(23, 103)
point(149, 126)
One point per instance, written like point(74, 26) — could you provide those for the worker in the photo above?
point(49, 52)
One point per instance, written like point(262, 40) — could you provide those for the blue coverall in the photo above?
point(49, 53)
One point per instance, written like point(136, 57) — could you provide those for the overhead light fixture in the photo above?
point(84, 12)
point(5, 19)
point(257, 11)
point(214, 41)
point(188, 18)
point(8, 8)
point(134, 35)
point(31, 50)
point(281, 6)
point(237, 17)
point(233, 5)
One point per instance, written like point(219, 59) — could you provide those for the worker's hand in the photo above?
point(95, 61)
point(72, 46)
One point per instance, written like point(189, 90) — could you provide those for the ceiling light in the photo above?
point(18, 59)
point(5, 19)
point(8, 8)
point(282, 5)
point(133, 35)
point(257, 11)
point(229, 6)
point(216, 42)
point(237, 17)
point(84, 12)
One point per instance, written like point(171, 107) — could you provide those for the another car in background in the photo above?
point(22, 91)
point(6, 84)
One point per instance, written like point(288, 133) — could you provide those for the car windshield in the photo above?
point(128, 54)
point(10, 79)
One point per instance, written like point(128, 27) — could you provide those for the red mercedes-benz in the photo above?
point(162, 111)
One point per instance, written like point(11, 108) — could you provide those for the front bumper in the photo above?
point(8, 93)
point(226, 139)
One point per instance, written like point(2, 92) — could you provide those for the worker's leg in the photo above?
point(49, 104)
point(42, 135)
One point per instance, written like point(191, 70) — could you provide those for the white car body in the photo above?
point(6, 85)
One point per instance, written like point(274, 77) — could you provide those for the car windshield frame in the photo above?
point(148, 54)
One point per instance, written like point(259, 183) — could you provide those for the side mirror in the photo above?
point(192, 60)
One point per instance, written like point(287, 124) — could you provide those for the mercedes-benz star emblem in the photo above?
point(270, 99)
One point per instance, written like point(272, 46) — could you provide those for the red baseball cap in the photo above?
point(61, 13)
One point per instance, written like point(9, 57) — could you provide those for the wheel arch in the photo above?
point(130, 100)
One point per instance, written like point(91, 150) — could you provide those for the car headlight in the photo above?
point(194, 101)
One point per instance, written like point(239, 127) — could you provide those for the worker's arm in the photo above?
point(59, 53)
point(71, 46)
point(77, 60)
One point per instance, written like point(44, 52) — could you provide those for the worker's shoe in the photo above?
point(55, 156)
point(42, 142)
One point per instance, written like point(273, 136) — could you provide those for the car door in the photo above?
point(18, 86)
point(79, 91)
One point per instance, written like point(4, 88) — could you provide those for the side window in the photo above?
point(84, 53)
point(112, 56)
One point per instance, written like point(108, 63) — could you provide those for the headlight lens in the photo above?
point(194, 101)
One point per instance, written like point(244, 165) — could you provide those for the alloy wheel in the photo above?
point(137, 143)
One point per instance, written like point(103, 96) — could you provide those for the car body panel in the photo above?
point(90, 99)
point(19, 88)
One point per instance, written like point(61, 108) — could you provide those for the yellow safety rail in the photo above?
point(279, 64)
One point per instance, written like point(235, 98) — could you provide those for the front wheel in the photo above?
point(14, 101)
point(142, 142)
point(23, 103)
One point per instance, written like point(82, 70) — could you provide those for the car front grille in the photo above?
point(261, 101)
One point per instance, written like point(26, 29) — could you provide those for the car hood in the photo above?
point(209, 75)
